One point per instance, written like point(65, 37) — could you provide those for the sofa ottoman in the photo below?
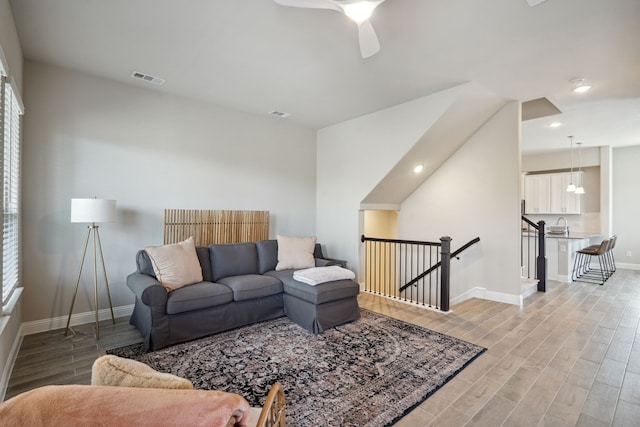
point(318, 307)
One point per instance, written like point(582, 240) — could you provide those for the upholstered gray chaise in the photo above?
point(240, 286)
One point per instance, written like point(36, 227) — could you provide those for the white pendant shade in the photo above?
point(572, 188)
point(93, 210)
point(579, 189)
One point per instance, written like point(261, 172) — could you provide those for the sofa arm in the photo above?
point(326, 262)
point(147, 289)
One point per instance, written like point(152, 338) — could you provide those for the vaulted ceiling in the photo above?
point(256, 56)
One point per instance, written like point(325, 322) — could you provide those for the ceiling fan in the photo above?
point(358, 10)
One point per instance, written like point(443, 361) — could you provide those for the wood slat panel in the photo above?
point(215, 226)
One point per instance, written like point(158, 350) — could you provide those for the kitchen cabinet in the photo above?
point(563, 202)
point(547, 193)
point(537, 194)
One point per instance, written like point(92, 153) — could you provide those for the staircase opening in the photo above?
point(416, 272)
point(381, 223)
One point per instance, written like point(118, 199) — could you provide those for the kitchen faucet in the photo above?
point(562, 218)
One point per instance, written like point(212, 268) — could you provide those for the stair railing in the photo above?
point(533, 256)
point(410, 270)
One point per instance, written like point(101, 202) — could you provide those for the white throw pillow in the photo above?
point(295, 252)
point(176, 265)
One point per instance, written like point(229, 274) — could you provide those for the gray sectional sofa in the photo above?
point(240, 286)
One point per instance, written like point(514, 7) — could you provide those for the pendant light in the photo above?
point(571, 187)
point(579, 189)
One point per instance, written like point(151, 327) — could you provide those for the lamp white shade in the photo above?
point(93, 210)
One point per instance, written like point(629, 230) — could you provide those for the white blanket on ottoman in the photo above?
point(316, 275)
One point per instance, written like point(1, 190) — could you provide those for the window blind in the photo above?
point(11, 114)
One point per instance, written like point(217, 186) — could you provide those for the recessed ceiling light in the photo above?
point(555, 124)
point(418, 169)
point(579, 86)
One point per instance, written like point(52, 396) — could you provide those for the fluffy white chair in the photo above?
point(118, 371)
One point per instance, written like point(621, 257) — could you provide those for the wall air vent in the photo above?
point(279, 114)
point(147, 78)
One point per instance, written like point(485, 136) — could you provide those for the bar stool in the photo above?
point(609, 259)
point(582, 264)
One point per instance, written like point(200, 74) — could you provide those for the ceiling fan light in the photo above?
point(359, 11)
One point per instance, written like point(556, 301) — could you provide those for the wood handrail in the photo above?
point(439, 264)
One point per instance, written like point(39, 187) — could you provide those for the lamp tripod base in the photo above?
point(97, 246)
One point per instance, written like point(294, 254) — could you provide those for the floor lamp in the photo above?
point(92, 211)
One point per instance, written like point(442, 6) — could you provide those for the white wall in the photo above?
point(626, 205)
point(476, 194)
point(354, 156)
point(86, 136)
point(560, 159)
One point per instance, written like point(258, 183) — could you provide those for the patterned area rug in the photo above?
point(367, 373)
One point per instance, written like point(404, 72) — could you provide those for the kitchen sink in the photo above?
point(557, 229)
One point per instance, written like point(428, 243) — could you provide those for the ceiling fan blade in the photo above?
point(310, 4)
point(535, 2)
point(369, 44)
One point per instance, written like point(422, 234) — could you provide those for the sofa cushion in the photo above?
point(175, 265)
point(198, 296)
point(233, 260)
point(295, 252)
point(318, 294)
point(251, 286)
point(144, 266)
point(267, 255)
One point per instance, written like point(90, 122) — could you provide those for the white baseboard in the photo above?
point(10, 363)
point(483, 293)
point(529, 289)
point(59, 322)
point(628, 266)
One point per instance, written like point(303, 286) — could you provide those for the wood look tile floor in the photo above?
point(568, 357)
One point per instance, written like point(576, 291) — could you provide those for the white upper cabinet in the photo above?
point(547, 193)
point(537, 196)
point(563, 202)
